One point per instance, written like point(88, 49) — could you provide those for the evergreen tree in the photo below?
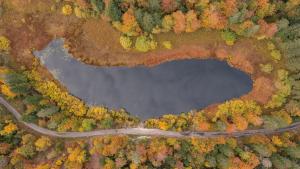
point(293, 152)
point(222, 161)
point(98, 5)
point(261, 149)
point(226, 150)
point(27, 150)
point(148, 22)
point(154, 5)
point(114, 11)
point(18, 83)
point(34, 99)
point(280, 162)
point(210, 161)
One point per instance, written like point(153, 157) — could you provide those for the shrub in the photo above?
point(80, 13)
point(144, 44)
point(88, 124)
point(276, 55)
point(229, 37)
point(67, 10)
point(167, 44)
point(266, 68)
point(4, 44)
point(125, 42)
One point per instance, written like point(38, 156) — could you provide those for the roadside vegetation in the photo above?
point(22, 149)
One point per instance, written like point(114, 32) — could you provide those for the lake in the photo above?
point(168, 88)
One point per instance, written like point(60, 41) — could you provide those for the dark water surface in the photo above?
point(171, 87)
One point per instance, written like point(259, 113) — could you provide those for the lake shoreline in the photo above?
point(147, 92)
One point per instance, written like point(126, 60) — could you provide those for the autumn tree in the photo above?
point(212, 18)
point(129, 25)
point(192, 22)
point(169, 5)
point(42, 143)
point(27, 149)
point(76, 157)
point(167, 23)
point(179, 22)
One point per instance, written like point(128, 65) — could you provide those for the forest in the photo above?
point(43, 101)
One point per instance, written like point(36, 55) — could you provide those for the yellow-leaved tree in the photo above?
point(9, 128)
point(43, 143)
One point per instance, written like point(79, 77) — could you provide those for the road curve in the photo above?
point(142, 131)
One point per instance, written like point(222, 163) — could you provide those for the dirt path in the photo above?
point(142, 131)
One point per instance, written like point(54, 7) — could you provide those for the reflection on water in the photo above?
point(172, 87)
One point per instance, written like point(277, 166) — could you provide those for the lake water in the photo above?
point(171, 87)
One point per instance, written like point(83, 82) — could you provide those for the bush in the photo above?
point(4, 44)
point(229, 37)
point(125, 42)
point(266, 68)
point(67, 10)
point(88, 124)
point(167, 44)
point(144, 44)
point(276, 55)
